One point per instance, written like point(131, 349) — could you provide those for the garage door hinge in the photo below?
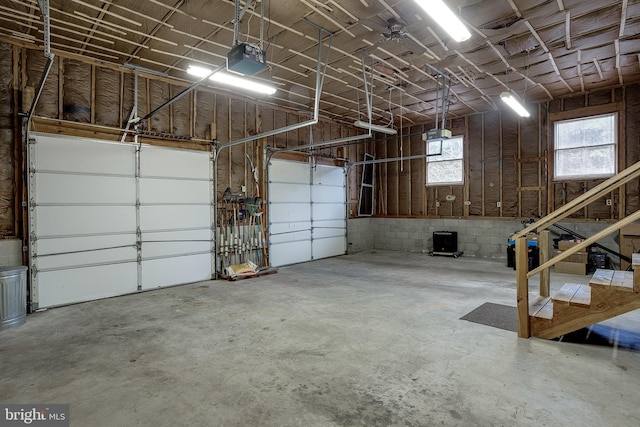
point(32, 140)
point(33, 236)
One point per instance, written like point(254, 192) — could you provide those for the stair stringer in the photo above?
point(605, 304)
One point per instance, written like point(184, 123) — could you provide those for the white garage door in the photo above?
point(107, 219)
point(307, 208)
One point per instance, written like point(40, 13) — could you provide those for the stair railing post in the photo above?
point(522, 286)
point(543, 251)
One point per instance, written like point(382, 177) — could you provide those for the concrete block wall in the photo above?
point(476, 238)
point(10, 252)
point(359, 237)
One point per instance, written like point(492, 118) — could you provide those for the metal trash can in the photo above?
point(13, 296)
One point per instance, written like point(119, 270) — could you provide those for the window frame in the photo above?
point(429, 159)
point(615, 144)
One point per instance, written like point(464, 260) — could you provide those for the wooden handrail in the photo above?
point(591, 240)
point(583, 200)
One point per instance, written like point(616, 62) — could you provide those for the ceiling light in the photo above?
point(194, 70)
point(449, 22)
point(513, 102)
point(231, 80)
point(367, 125)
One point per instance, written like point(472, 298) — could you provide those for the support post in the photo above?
point(545, 275)
point(522, 287)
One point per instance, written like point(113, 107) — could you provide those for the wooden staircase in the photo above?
point(608, 294)
point(575, 306)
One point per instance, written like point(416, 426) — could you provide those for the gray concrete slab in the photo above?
point(370, 339)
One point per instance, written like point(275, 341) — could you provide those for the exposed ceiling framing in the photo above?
point(539, 49)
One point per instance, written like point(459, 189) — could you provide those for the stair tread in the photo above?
point(582, 297)
point(613, 279)
point(602, 277)
point(566, 292)
point(541, 307)
point(574, 294)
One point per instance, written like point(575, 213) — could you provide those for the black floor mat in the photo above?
point(496, 315)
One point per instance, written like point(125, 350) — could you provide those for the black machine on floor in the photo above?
point(445, 243)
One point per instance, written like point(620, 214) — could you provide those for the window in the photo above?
point(445, 165)
point(586, 148)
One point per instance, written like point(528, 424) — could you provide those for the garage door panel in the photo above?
point(287, 171)
point(87, 243)
point(287, 227)
point(174, 163)
point(175, 271)
point(324, 229)
point(294, 236)
point(327, 194)
point(153, 191)
point(80, 155)
point(85, 284)
point(328, 175)
point(100, 256)
point(327, 247)
point(60, 220)
point(154, 218)
point(70, 189)
point(325, 211)
point(289, 192)
point(161, 249)
point(287, 212)
point(289, 253)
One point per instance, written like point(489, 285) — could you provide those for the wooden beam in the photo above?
point(121, 99)
point(18, 159)
point(482, 159)
point(93, 94)
point(623, 18)
point(522, 287)
point(171, 111)
point(598, 68)
point(540, 164)
point(545, 275)
point(60, 87)
point(613, 107)
point(567, 29)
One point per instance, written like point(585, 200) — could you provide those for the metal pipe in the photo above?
point(178, 96)
point(43, 79)
point(321, 144)
point(320, 73)
point(393, 159)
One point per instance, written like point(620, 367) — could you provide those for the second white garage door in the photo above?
point(307, 212)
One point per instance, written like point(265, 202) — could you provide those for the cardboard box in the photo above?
point(571, 267)
point(563, 245)
point(580, 257)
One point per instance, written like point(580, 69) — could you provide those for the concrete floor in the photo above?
point(371, 339)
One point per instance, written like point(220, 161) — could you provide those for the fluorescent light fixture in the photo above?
point(367, 125)
point(231, 80)
point(514, 103)
point(194, 70)
point(449, 22)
